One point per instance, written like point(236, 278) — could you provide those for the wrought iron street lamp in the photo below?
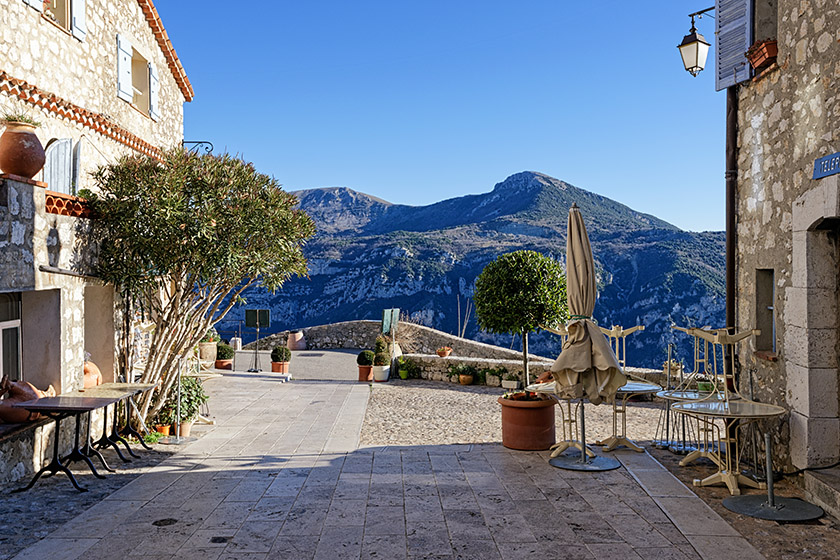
point(694, 47)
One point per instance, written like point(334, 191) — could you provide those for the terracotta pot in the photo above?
point(279, 367)
point(161, 429)
point(365, 373)
point(295, 341)
point(207, 351)
point(185, 427)
point(21, 153)
point(762, 53)
point(93, 376)
point(528, 425)
point(444, 353)
point(224, 364)
point(465, 379)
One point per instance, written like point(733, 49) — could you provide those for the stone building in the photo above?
point(787, 215)
point(103, 79)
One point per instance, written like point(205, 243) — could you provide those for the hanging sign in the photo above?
point(828, 165)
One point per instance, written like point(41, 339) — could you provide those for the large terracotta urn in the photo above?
point(528, 425)
point(296, 341)
point(93, 376)
point(21, 153)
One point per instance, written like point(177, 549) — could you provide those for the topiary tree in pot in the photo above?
point(518, 293)
point(280, 357)
point(365, 362)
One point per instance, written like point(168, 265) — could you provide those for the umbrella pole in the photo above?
point(582, 433)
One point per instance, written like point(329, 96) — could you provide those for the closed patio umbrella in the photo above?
point(586, 367)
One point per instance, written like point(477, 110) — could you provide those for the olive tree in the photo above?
point(181, 238)
point(519, 293)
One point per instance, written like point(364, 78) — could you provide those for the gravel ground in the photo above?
point(417, 412)
point(433, 413)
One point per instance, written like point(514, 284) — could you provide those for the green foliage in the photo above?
point(520, 291)
point(211, 336)
point(192, 397)
point(381, 359)
point(365, 358)
point(381, 345)
point(281, 354)
point(461, 369)
point(510, 376)
point(21, 118)
point(181, 237)
point(413, 368)
point(484, 373)
point(165, 416)
point(152, 437)
point(224, 351)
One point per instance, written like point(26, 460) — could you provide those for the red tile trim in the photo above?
point(153, 18)
point(66, 205)
point(64, 109)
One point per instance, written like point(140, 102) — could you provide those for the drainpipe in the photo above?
point(731, 189)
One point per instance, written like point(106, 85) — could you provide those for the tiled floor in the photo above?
point(280, 476)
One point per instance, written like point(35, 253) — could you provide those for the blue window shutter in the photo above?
point(77, 18)
point(58, 169)
point(733, 36)
point(77, 166)
point(37, 4)
point(124, 53)
point(154, 93)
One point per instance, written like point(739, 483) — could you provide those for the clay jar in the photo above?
point(527, 425)
point(93, 376)
point(296, 341)
point(21, 153)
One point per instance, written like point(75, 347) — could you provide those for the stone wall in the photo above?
point(789, 116)
point(413, 339)
point(85, 74)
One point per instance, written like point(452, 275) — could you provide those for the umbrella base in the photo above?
point(573, 463)
point(785, 509)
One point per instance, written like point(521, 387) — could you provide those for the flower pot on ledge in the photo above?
point(762, 53)
point(21, 153)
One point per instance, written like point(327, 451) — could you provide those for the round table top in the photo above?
point(731, 409)
point(639, 388)
point(694, 395)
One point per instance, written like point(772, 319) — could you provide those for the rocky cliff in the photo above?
point(370, 255)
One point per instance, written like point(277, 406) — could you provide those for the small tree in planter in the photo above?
point(365, 362)
point(224, 356)
point(518, 293)
point(280, 357)
point(192, 397)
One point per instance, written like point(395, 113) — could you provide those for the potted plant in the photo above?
point(295, 340)
point(224, 356)
point(704, 384)
point(381, 366)
point(365, 362)
point(762, 53)
point(192, 397)
point(464, 372)
point(402, 367)
point(444, 351)
point(280, 357)
point(527, 421)
point(207, 346)
point(163, 420)
point(510, 381)
point(21, 153)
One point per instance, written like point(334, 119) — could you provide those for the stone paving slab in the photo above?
point(281, 475)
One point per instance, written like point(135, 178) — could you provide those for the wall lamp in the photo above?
point(694, 47)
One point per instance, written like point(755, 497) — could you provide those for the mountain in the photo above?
point(370, 255)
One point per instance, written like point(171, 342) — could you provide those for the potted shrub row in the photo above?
point(192, 397)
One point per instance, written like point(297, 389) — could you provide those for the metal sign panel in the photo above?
point(390, 317)
point(255, 318)
point(828, 165)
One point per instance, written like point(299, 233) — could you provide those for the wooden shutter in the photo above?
point(37, 4)
point(58, 169)
point(77, 166)
point(733, 36)
point(124, 53)
point(154, 88)
point(78, 23)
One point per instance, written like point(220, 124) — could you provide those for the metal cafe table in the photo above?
point(629, 389)
point(725, 449)
point(77, 403)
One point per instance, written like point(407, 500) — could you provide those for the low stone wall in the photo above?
point(413, 339)
point(435, 368)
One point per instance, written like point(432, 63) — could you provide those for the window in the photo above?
point(765, 314)
point(67, 14)
point(10, 336)
point(137, 80)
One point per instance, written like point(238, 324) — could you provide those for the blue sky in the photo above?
point(415, 102)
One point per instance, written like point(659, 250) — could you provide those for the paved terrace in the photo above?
point(281, 476)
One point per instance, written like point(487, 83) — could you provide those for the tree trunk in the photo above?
point(525, 357)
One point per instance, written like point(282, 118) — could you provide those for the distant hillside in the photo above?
point(370, 254)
